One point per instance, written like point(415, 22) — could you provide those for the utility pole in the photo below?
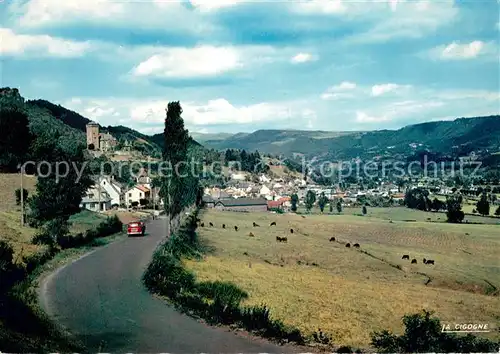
point(99, 192)
point(22, 197)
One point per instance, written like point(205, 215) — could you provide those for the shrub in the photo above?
point(18, 195)
point(9, 272)
point(423, 335)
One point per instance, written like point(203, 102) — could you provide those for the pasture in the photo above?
point(312, 283)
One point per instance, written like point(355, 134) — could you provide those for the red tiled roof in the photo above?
point(142, 189)
point(274, 203)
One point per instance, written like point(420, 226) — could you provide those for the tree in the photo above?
point(417, 198)
point(16, 138)
point(294, 199)
point(497, 212)
point(339, 206)
point(310, 199)
point(364, 210)
point(483, 205)
point(59, 188)
point(91, 146)
point(179, 187)
point(322, 201)
point(331, 207)
point(454, 208)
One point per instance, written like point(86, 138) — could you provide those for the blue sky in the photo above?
point(246, 65)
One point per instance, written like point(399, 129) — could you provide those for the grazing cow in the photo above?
point(413, 261)
point(424, 261)
point(430, 261)
point(202, 224)
point(236, 228)
point(211, 224)
point(467, 234)
point(273, 223)
point(406, 256)
point(223, 226)
point(255, 225)
point(332, 239)
point(251, 234)
point(348, 245)
point(284, 239)
point(356, 245)
point(281, 239)
point(291, 231)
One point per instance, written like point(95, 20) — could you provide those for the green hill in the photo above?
point(463, 134)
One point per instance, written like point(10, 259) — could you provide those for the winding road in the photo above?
point(100, 299)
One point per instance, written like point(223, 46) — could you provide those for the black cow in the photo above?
point(430, 261)
point(291, 231)
point(273, 223)
point(424, 261)
point(413, 261)
point(251, 234)
point(202, 224)
point(236, 228)
point(348, 245)
point(356, 245)
point(281, 239)
point(406, 257)
point(255, 225)
point(223, 226)
point(332, 239)
point(211, 224)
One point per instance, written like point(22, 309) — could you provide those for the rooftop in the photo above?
point(242, 202)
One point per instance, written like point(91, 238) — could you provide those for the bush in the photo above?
point(423, 335)
point(10, 273)
point(18, 195)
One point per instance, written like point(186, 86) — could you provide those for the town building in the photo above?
point(99, 141)
point(242, 204)
point(136, 193)
point(96, 199)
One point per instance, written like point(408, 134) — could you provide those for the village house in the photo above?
point(242, 204)
point(114, 190)
point(96, 200)
point(136, 193)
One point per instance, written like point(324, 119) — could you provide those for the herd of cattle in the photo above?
point(332, 239)
point(414, 261)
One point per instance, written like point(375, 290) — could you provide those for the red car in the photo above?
point(136, 228)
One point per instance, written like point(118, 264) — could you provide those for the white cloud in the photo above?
point(302, 58)
point(13, 44)
point(362, 117)
point(404, 19)
point(190, 62)
point(463, 51)
point(143, 14)
point(196, 114)
point(339, 91)
point(210, 5)
point(319, 6)
point(379, 90)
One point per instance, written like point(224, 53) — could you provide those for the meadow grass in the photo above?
point(313, 284)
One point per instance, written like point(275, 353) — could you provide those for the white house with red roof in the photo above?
point(136, 193)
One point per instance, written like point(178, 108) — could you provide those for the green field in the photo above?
point(312, 283)
point(402, 214)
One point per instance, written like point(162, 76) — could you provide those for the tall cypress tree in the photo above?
point(175, 153)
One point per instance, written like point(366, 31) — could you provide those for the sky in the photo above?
point(239, 66)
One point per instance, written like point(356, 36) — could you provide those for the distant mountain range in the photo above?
point(459, 136)
point(464, 134)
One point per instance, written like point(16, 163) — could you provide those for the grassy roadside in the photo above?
point(24, 327)
point(216, 302)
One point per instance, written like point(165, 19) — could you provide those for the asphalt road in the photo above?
point(100, 299)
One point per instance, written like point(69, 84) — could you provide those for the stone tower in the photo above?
point(93, 135)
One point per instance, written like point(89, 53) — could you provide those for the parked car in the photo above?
point(136, 228)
